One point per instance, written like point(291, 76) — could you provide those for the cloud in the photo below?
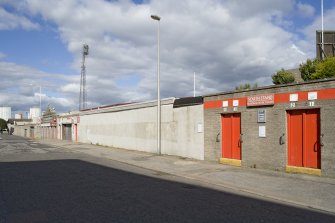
point(225, 42)
point(305, 10)
point(309, 31)
point(19, 88)
point(297, 49)
point(2, 56)
point(10, 21)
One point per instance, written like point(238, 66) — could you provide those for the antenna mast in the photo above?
point(83, 92)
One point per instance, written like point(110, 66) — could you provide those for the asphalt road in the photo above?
point(39, 183)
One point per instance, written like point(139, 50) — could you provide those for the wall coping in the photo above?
point(130, 106)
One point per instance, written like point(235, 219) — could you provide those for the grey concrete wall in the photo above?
point(134, 127)
point(267, 152)
point(24, 131)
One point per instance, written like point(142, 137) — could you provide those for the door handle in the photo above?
point(315, 147)
point(217, 137)
point(240, 141)
point(281, 139)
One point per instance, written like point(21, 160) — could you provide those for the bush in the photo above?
point(3, 124)
point(283, 77)
point(245, 86)
point(325, 69)
point(308, 69)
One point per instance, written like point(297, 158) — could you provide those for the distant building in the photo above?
point(18, 116)
point(5, 113)
point(35, 114)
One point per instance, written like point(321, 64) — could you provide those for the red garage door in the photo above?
point(231, 131)
point(304, 138)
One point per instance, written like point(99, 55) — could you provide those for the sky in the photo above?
point(225, 42)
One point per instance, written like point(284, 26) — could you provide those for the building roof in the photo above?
point(12, 120)
point(189, 101)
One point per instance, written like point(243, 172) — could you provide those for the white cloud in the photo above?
point(310, 31)
point(297, 49)
point(224, 42)
point(11, 21)
point(305, 10)
point(19, 88)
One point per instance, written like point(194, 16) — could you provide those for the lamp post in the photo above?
point(157, 18)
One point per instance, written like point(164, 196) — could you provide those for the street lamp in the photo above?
point(157, 18)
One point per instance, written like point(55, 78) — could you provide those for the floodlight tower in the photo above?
point(83, 92)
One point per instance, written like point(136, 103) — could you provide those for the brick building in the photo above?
point(281, 127)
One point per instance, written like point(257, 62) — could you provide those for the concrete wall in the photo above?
point(27, 130)
point(267, 152)
point(133, 127)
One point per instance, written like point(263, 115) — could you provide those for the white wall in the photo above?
point(134, 127)
point(183, 135)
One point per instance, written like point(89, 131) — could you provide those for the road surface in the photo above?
point(40, 183)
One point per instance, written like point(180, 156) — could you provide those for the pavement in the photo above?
point(297, 189)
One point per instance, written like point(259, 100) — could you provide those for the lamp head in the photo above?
point(155, 17)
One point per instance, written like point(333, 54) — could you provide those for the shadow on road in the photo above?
point(79, 191)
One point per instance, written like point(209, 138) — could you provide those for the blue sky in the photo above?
point(225, 42)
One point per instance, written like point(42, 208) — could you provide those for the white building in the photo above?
point(35, 114)
point(5, 113)
point(18, 116)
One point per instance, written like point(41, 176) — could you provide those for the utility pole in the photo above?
point(83, 92)
point(194, 84)
point(322, 39)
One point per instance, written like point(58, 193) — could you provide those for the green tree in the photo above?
point(283, 77)
point(325, 69)
point(246, 86)
point(3, 124)
point(243, 87)
point(308, 69)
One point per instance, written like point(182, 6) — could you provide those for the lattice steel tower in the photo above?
point(83, 92)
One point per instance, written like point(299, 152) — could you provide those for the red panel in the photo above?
point(212, 104)
point(226, 136)
point(312, 153)
point(326, 94)
point(295, 138)
point(236, 133)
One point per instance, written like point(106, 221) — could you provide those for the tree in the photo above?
point(283, 77)
point(325, 69)
point(3, 124)
point(308, 69)
point(245, 86)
